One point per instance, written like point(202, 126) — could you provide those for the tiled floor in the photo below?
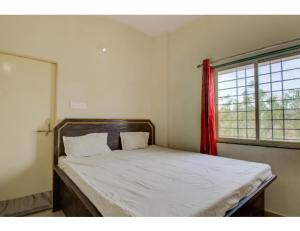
point(48, 213)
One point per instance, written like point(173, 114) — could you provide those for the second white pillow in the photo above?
point(134, 140)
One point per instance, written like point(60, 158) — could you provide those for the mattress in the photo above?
point(159, 181)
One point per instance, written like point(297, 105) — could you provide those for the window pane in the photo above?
point(291, 94)
point(227, 84)
point(242, 98)
point(242, 124)
point(250, 81)
point(265, 105)
point(291, 84)
point(246, 98)
point(227, 100)
point(250, 106)
point(264, 69)
point(251, 133)
point(250, 71)
point(251, 124)
point(278, 84)
point(242, 116)
point(227, 92)
point(236, 106)
point(279, 100)
point(241, 74)
point(227, 108)
point(276, 76)
point(265, 87)
point(277, 114)
point(228, 124)
point(251, 115)
point(292, 114)
point(227, 116)
point(263, 96)
point(292, 104)
point(225, 76)
point(265, 115)
point(277, 124)
point(250, 89)
point(241, 91)
point(292, 124)
point(278, 134)
point(276, 95)
point(242, 106)
point(277, 104)
point(266, 124)
point(250, 98)
point(264, 78)
point(292, 135)
point(291, 74)
point(291, 63)
point(266, 134)
point(242, 133)
point(227, 133)
point(241, 82)
point(275, 67)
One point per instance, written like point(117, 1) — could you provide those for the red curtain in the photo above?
point(208, 128)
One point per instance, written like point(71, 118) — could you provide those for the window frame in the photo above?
point(257, 141)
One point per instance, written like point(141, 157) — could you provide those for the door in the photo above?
point(27, 105)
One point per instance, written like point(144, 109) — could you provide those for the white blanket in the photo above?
point(164, 182)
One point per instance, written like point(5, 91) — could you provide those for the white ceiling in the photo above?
point(154, 25)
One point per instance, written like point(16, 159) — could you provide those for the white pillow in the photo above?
point(87, 145)
point(134, 140)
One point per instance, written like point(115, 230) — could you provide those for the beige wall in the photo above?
point(121, 83)
point(114, 84)
point(159, 90)
point(217, 37)
point(118, 84)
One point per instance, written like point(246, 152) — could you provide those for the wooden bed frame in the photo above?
point(68, 197)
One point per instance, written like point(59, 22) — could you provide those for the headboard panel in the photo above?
point(79, 127)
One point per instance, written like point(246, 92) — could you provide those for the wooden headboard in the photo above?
point(79, 127)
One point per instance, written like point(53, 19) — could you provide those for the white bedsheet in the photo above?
point(163, 182)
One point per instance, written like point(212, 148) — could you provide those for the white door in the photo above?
point(27, 104)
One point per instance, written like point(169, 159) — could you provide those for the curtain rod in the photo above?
point(253, 51)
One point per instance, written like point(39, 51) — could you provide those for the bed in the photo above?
point(155, 181)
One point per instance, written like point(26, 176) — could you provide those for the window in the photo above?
point(259, 103)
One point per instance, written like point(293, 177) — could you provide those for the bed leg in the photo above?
point(56, 192)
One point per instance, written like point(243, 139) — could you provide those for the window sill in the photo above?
point(271, 144)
